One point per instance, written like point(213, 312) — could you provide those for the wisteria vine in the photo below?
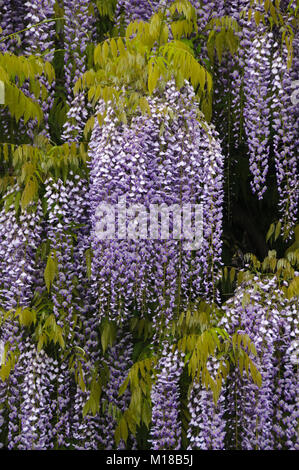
point(80, 310)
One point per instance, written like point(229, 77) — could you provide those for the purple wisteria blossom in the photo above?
point(12, 14)
point(11, 21)
point(207, 426)
point(119, 361)
point(36, 408)
point(256, 417)
point(19, 240)
point(257, 89)
point(237, 65)
point(66, 231)
point(165, 430)
point(79, 30)
point(285, 124)
point(247, 416)
point(40, 42)
point(127, 11)
point(166, 158)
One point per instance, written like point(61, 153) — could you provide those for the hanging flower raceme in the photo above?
point(67, 217)
point(38, 392)
point(207, 425)
point(40, 42)
point(285, 124)
point(168, 162)
point(119, 361)
point(228, 108)
point(207, 10)
point(165, 430)
point(79, 30)
point(19, 240)
point(128, 11)
point(254, 99)
point(260, 414)
point(12, 22)
point(257, 90)
point(6, 25)
point(257, 416)
point(74, 217)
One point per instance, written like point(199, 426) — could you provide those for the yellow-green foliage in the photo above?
point(129, 69)
point(34, 163)
point(14, 70)
point(106, 7)
point(193, 334)
point(222, 36)
point(284, 269)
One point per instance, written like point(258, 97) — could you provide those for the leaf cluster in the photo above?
point(129, 69)
point(14, 71)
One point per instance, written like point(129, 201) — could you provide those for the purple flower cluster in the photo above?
point(257, 89)
point(98, 432)
point(166, 158)
point(127, 11)
point(285, 124)
point(236, 69)
point(207, 426)
point(264, 417)
point(36, 409)
point(119, 361)
point(252, 98)
point(59, 221)
point(40, 38)
point(39, 41)
point(165, 431)
point(67, 229)
point(6, 24)
point(206, 10)
point(246, 416)
point(79, 30)
point(19, 240)
point(12, 21)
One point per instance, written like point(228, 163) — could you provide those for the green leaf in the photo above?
point(155, 24)
point(209, 82)
point(257, 17)
point(245, 299)
point(123, 429)
point(26, 316)
point(86, 408)
point(123, 387)
point(50, 272)
point(41, 341)
point(117, 434)
point(113, 47)
point(219, 44)
point(108, 335)
point(2, 92)
point(146, 413)
point(270, 232)
point(105, 50)
point(153, 76)
point(88, 258)
point(277, 230)
point(30, 192)
point(89, 126)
